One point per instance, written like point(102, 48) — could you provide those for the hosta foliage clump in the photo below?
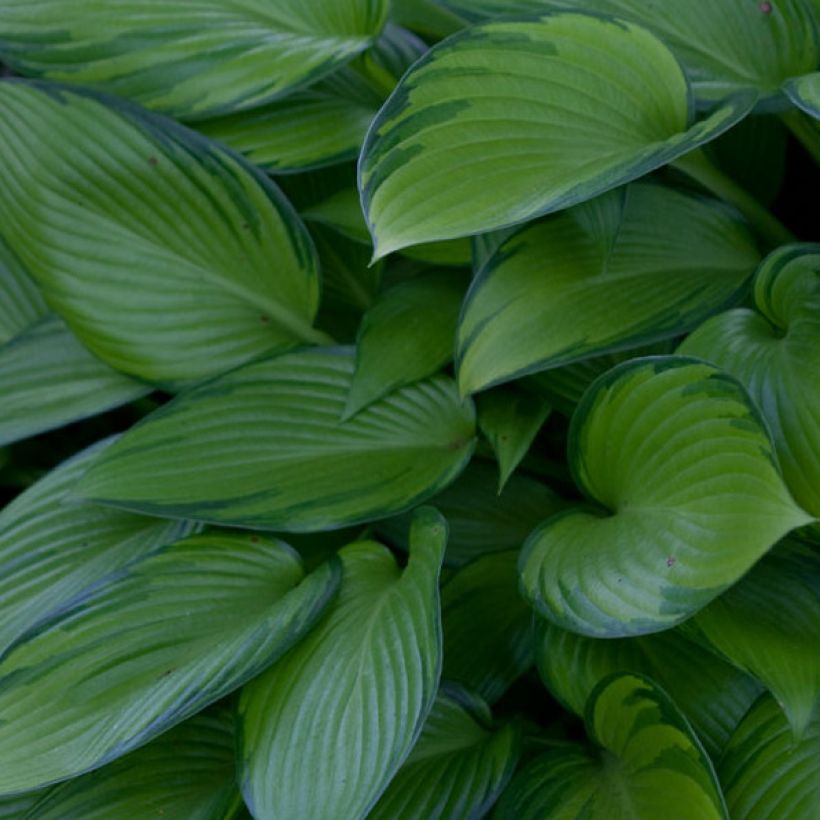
point(409, 410)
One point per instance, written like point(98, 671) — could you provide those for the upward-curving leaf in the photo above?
point(804, 92)
point(516, 118)
point(326, 728)
point(265, 447)
point(168, 256)
point(188, 59)
point(687, 497)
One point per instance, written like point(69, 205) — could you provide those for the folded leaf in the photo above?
point(53, 549)
point(764, 772)
point(804, 92)
point(768, 624)
point(648, 760)
point(169, 257)
point(516, 118)
point(188, 59)
point(487, 625)
point(775, 352)
point(458, 767)
point(629, 268)
point(149, 648)
point(324, 730)
point(263, 446)
point(711, 693)
point(189, 772)
point(680, 462)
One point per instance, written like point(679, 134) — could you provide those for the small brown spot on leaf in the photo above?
point(245, 226)
point(264, 319)
point(766, 8)
point(670, 562)
point(254, 539)
point(152, 161)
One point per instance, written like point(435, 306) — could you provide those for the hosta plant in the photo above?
point(409, 410)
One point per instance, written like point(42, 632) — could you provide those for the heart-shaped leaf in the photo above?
point(769, 625)
point(646, 756)
point(53, 550)
point(264, 446)
point(712, 694)
point(804, 92)
point(629, 268)
point(189, 772)
point(324, 730)
point(516, 118)
point(459, 765)
point(487, 626)
point(108, 206)
point(765, 772)
point(680, 463)
point(137, 655)
point(189, 61)
point(775, 352)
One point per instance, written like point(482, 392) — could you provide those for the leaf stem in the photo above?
point(696, 165)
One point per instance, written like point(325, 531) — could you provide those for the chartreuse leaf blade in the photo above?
point(186, 60)
point(488, 627)
point(264, 446)
point(675, 452)
point(459, 765)
point(804, 92)
point(210, 259)
point(173, 633)
point(765, 772)
point(627, 269)
point(768, 624)
point(324, 730)
point(406, 335)
point(726, 47)
point(646, 755)
point(188, 772)
point(52, 550)
point(712, 694)
point(775, 352)
point(516, 118)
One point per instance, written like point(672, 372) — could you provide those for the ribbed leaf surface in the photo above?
point(170, 258)
point(512, 119)
point(629, 268)
point(139, 654)
point(326, 728)
point(187, 58)
point(21, 304)
point(264, 446)
point(804, 92)
point(688, 497)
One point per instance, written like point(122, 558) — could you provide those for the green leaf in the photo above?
point(804, 92)
point(99, 196)
point(764, 772)
point(264, 447)
point(487, 626)
point(510, 420)
point(725, 47)
point(629, 268)
point(513, 119)
point(49, 379)
point(53, 550)
point(189, 61)
point(458, 767)
point(21, 304)
point(481, 520)
point(647, 763)
point(188, 773)
point(126, 661)
point(324, 730)
point(406, 336)
point(775, 352)
point(768, 624)
point(426, 17)
point(16, 806)
point(681, 464)
point(711, 693)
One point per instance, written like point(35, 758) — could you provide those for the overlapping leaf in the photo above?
point(516, 118)
point(188, 59)
point(687, 498)
point(324, 730)
point(804, 92)
point(21, 304)
point(458, 767)
point(264, 446)
point(169, 258)
point(137, 655)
